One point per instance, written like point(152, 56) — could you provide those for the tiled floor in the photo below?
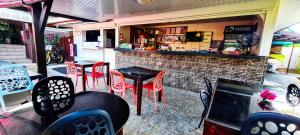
point(180, 116)
point(182, 112)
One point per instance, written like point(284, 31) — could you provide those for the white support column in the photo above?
point(101, 38)
point(268, 30)
point(117, 33)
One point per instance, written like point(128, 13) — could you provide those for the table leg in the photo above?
point(107, 75)
point(135, 84)
point(83, 78)
point(139, 97)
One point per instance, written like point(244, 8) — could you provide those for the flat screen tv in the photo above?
point(92, 35)
point(194, 36)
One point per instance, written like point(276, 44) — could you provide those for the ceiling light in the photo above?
point(145, 1)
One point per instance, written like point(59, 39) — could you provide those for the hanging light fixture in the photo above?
point(145, 1)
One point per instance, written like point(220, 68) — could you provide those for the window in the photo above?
point(92, 35)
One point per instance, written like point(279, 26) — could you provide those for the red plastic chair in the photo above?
point(156, 86)
point(72, 71)
point(118, 84)
point(97, 72)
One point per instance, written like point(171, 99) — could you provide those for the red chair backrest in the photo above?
point(98, 69)
point(71, 68)
point(158, 81)
point(117, 81)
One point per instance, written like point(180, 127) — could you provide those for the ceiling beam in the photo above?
point(58, 15)
point(71, 17)
point(65, 22)
point(59, 27)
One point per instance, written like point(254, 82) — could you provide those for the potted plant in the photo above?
point(267, 96)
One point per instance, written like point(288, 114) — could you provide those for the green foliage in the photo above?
point(9, 33)
point(3, 26)
point(46, 40)
point(298, 68)
point(54, 41)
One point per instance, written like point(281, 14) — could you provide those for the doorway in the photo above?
point(110, 39)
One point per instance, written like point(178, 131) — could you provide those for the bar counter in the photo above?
point(185, 70)
point(191, 53)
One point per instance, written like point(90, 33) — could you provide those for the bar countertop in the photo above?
point(193, 53)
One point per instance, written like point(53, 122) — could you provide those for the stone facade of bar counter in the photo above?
point(187, 72)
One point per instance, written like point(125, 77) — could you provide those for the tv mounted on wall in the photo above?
point(196, 36)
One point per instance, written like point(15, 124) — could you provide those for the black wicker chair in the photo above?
point(205, 98)
point(293, 95)
point(84, 122)
point(208, 85)
point(270, 123)
point(52, 96)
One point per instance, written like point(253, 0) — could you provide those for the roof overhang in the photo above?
point(16, 3)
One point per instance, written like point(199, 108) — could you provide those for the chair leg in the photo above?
point(202, 118)
point(123, 94)
point(149, 94)
point(134, 96)
point(2, 104)
point(155, 106)
point(104, 81)
point(87, 81)
point(76, 82)
point(163, 98)
point(97, 80)
point(94, 83)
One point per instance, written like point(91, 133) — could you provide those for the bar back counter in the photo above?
point(185, 70)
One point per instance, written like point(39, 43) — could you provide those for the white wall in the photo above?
point(109, 56)
point(295, 60)
point(289, 14)
point(87, 50)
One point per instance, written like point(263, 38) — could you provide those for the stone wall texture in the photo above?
point(187, 72)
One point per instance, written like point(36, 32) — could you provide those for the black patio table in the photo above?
point(139, 75)
point(27, 122)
